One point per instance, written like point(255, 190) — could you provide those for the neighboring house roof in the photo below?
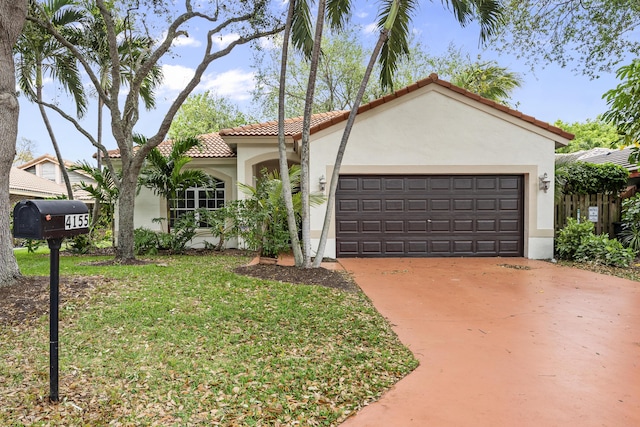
point(581, 156)
point(617, 157)
point(329, 119)
point(28, 185)
point(45, 158)
point(48, 158)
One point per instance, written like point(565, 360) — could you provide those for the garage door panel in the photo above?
point(371, 184)
point(391, 226)
point(417, 226)
point(372, 248)
point(463, 225)
point(371, 226)
point(442, 225)
point(394, 247)
point(462, 205)
point(372, 205)
point(427, 215)
point(441, 247)
point(417, 205)
point(394, 184)
point(441, 204)
point(486, 225)
point(486, 205)
point(509, 225)
point(348, 226)
point(394, 205)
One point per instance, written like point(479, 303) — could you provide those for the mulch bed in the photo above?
point(28, 297)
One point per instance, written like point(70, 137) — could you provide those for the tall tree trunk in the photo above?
point(54, 142)
point(333, 185)
point(306, 130)
point(282, 146)
point(12, 17)
point(96, 206)
point(126, 207)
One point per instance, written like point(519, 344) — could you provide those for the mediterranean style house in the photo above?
point(431, 170)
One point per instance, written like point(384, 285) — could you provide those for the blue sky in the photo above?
point(548, 93)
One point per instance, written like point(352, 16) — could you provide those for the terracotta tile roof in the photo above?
point(213, 146)
point(293, 127)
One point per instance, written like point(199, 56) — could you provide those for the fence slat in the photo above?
point(609, 208)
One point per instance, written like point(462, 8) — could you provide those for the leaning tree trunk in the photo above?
point(12, 16)
point(54, 142)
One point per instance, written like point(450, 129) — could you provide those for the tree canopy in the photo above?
point(204, 113)
point(624, 103)
point(588, 135)
point(342, 66)
point(591, 36)
point(249, 20)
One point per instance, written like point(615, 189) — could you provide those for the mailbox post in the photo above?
point(51, 220)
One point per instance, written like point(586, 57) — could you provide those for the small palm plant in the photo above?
point(265, 215)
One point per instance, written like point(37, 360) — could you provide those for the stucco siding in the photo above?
point(434, 133)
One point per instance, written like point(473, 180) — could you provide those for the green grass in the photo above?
point(185, 341)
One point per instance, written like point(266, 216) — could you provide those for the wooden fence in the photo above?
point(573, 205)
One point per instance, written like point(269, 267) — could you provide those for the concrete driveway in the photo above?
point(506, 342)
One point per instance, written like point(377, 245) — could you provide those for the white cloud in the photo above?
point(175, 78)
point(234, 84)
point(371, 28)
point(223, 41)
point(186, 41)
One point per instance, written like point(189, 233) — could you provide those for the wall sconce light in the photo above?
point(323, 182)
point(544, 182)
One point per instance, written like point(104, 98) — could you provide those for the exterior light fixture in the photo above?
point(323, 182)
point(544, 182)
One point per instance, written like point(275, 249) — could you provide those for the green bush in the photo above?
point(570, 237)
point(602, 250)
point(589, 178)
point(578, 242)
point(145, 241)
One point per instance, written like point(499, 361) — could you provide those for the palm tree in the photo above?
point(40, 55)
point(104, 192)
point(132, 48)
point(266, 212)
point(393, 22)
point(488, 80)
point(163, 174)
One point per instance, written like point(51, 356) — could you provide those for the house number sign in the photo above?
point(72, 222)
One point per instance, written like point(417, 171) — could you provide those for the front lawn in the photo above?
point(185, 341)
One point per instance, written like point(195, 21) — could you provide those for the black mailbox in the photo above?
point(50, 219)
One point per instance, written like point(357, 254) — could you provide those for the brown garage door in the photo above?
point(429, 215)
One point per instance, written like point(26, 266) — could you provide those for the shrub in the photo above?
point(570, 237)
point(589, 178)
point(602, 250)
point(577, 242)
point(145, 241)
